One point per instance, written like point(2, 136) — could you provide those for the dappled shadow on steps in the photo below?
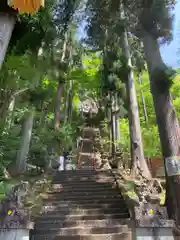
point(82, 204)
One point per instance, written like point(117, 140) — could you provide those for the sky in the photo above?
point(170, 52)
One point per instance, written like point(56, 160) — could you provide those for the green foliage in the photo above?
point(151, 17)
point(45, 139)
point(149, 129)
point(9, 144)
point(31, 31)
point(6, 187)
point(33, 68)
point(125, 139)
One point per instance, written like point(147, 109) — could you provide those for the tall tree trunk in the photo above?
point(117, 107)
point(113, 130)
point(168, 125)
point(66, 104)
point(57, 106)
point(21, 162)
point(68, 107)
point(109, 128)
point(6, 25)
point(137, 153)
point(70, 98)
point(118, 136)
point(114, 133)
point(142, 99)
point(60, 87)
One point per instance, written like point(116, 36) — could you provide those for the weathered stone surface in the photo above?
point(153, 199)
point(154, 234)
point(17, 234)
point(151, 215)
point(154, 223)
point(92, 209)
point(12, 211)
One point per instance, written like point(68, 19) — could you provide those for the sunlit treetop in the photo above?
point(26, 6)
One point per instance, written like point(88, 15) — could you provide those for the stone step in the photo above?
point(79, 192)
point(89, 140)
point(88, 223)
point(79, 211)
point(86, 201)
point(90, 178)
point(80, 183)
point(95, 187)
point(86, 148)
point(81, 231)
point(81, 196)
point(85, 154)
point(84, 166)
point(89, 157)
point(88, 206)
point(90, 132)
point(79, 176)
point(76, 217)
point(84, 172)
point(91, 129)
point(84, 205)
point(114, 236)
point(77, 183)
point(82, 178)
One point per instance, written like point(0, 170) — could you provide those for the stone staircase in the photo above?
point(83, 204)
point(86, 158)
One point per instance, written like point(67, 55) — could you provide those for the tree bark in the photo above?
point(6, 25)
point(57, 106)
point(21, 162)
point(68, 106)
point(168, 125)
point(60, 87)
point(143, 99)
point(137, 153)
point(112, 126)
point(70, 98)
point(109, 126)
point(117, 123)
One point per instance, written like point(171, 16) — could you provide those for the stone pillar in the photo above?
point(14, 234)
point(152, 223)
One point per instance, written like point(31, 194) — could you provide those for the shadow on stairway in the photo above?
point(83, 204)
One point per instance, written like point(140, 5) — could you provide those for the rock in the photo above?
point(154, 199)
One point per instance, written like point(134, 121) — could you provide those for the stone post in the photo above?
point(151, 223)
